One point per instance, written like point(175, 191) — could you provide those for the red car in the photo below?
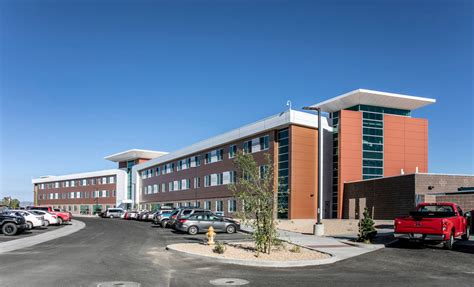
point(63, 216)
point(434, 222)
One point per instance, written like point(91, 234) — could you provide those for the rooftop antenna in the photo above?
point(288, 104)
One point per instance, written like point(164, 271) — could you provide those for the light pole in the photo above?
point(318, 228)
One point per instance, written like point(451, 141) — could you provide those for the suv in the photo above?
point(114, 212)
point(161, 217)
point(12, 224)
point(184, 212)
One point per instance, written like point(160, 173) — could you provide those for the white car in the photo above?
point(49, 219)
point(32, 220)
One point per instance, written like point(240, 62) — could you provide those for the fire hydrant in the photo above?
point(210, 236)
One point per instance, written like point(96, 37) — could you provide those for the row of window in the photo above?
point(80, 182)
point(77, 194)
point(251, 146)
point(215, 179)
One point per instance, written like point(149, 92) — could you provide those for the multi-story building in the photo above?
point(199, 175)
point(91, 191)
point(367, 135)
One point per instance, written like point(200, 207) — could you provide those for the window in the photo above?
point(248, 147)
point(372, 155)
point(207, 205)
point(207, 158)
point(163, 187)
point(42, 186)
point(84, 182)
point(264, 142)
point(207, 181)
point(220, 154)
point(232, 205)
point(67, 183)
point(111, 179)
point(94, 181)
point(86, 194)
point(56, 185)
point(263, 170)
point(78, 194)
point(157, 171)
point(104, 193)
point(219, 205)
point(197, 182)
point(56, 195)
point(233, 176)
point(197, 204)
point(232, 151)
point(220, 178)
point(72, 195)
point(180, 185)
point(170, 186)
point(155, 188)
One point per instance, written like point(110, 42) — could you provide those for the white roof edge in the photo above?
point(77, 175)
point(134, 153)
point(276, 121)
point(355, 96)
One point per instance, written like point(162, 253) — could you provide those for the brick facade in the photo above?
point(395, 196)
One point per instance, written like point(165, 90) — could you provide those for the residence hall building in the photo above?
point(89, 192)
point(199, 175)
point(367, 135)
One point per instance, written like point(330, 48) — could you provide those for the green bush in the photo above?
point(295, 249)
point(219, 248)
point(367, 229)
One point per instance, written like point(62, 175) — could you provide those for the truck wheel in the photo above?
point(467, 234)
point(448, 244)
point(9, 229)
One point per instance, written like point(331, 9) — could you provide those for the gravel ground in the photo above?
point(244, 250)
point(332, 227)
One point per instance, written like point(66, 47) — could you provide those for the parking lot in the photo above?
point(31, 232)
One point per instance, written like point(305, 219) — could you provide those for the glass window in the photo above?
point(372, 124)
point(219, 205)
point(372, 163)
point(373, 132)
point(207, 205)
point(373, 147)
point(373, 155)
point(371, 139)
point(264, 142)
point(232, 151)
point(248, 146)
point(232, 205)
point(197, 182)
point(372, 170)
point(220, 154)
point(371, 116)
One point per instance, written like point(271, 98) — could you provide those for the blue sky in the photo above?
point(81, 79)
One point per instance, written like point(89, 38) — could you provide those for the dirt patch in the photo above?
point(246, 251)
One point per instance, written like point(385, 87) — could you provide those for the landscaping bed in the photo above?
point(246, 251)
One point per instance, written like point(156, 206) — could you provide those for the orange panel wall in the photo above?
point(405, 145)
point(303, 172)
point(350, 152)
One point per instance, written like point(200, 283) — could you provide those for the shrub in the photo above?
point(367, 229)
point(295, 249)
point(219, 248)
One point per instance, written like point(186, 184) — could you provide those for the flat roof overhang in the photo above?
point(134, 154)
point(373, 98)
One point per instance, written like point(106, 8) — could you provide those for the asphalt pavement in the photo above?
point(114, 250)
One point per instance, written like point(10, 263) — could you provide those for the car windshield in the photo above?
point(435, 208)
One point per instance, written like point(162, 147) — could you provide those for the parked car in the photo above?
point(435, 223)
point(133, 215)
point(142, 215)
point(114, 212)
point(62, 216)
point(62, 210)
point(49, 219)
point(184, 212)
point(32, 220)
point(200, 222)
point(12, 224)
point(161, 217)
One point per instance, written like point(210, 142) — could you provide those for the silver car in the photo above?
point(201, 222)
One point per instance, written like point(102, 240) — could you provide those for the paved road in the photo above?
point(32, 232)
point(117, 250)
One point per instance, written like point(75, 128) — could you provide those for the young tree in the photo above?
point(254, 187)
point(367, 229)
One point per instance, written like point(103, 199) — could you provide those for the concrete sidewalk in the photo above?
point(40, 238)
point(340, 248)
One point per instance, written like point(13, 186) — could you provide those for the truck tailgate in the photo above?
point(419, 225)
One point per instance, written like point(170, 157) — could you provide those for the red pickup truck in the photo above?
point(63, 216)
point(434, 222)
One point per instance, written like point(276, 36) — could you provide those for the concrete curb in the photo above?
point(363, 245)
point(264, 263)
point(40, 238)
